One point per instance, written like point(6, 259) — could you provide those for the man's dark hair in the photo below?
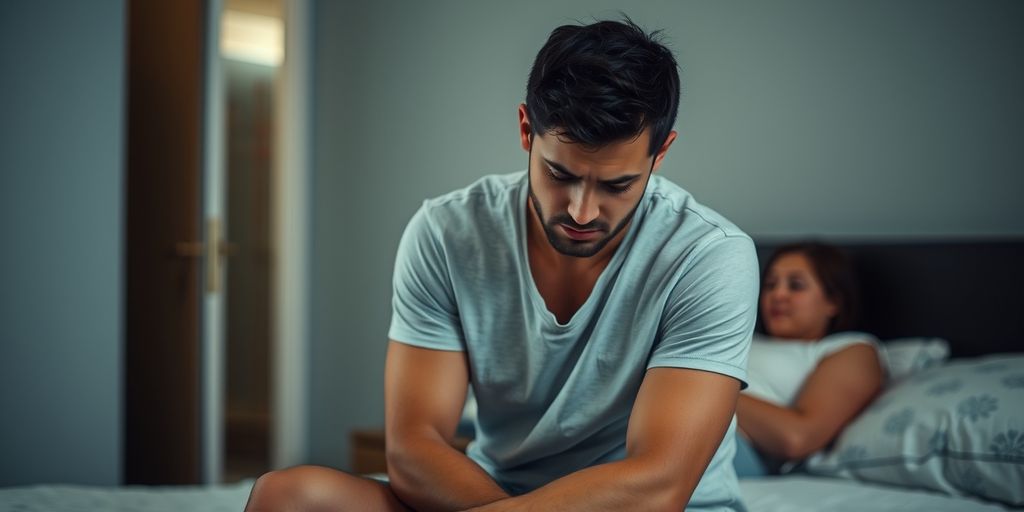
point(602, 83)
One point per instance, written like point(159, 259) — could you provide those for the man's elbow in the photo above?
point(402, 459)
point(673, 498)
point(665, 488)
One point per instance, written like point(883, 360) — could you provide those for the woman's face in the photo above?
point(793, 301)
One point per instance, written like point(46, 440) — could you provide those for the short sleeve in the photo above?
point(838, 341)
point(709, 316)
point(423, 308)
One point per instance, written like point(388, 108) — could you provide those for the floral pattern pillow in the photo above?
point(957, 428)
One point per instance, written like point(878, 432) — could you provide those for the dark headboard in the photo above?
point(968, 292)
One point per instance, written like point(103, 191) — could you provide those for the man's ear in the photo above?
point(525, 131)
point(664, 149)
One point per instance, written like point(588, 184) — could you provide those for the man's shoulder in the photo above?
point(489, 192)
point(485, 208)
point(683, 225)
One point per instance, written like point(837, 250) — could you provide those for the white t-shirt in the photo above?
point(777, 368)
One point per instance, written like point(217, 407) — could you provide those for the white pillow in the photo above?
point(903, 357)
point(957, 428)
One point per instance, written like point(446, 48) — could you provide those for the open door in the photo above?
point(215, 356)
point(174, 309)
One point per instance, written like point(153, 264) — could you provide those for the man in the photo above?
point(602, 316)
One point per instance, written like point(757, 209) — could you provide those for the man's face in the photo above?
point(585, 197)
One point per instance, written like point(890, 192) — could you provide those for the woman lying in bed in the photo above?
point(811, 377)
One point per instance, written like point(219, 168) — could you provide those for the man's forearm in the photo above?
point(629, 484)
point(428, 474)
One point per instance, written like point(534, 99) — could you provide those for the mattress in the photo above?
point(794, 493)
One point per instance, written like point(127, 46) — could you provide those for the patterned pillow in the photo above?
point(957, 429)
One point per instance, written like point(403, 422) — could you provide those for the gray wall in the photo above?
point(62, 68)
point(848, 119)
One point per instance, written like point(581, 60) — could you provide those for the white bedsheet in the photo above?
point(794, 493)
point(81, 498)
point(800, 493)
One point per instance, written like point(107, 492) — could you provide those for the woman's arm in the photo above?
point(835, 392)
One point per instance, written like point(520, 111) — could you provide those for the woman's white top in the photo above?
point(777, 368)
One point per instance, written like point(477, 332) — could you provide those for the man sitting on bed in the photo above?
point(602, 316)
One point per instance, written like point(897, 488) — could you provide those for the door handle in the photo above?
point(213, 261)
point(188, 249)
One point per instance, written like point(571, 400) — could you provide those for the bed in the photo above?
point(949, 313)
point(780, 494)
point(949, 425)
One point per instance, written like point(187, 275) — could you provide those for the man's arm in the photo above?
point(424, 392)
point(676, 425)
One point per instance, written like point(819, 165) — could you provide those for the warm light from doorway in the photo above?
point(252, 38)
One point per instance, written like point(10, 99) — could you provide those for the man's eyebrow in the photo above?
point(614, 181)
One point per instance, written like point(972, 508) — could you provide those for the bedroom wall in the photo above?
point(62, 68)
point(848, 119)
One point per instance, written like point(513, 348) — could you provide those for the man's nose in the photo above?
point(583, 205)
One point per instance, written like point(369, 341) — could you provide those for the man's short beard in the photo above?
point(568, 247)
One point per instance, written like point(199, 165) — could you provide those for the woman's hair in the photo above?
point(602, 83)
point(835, 273)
